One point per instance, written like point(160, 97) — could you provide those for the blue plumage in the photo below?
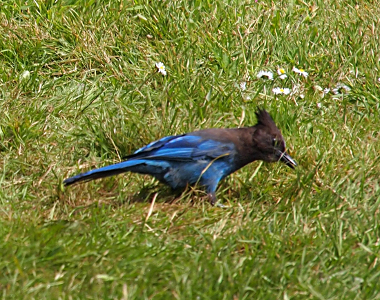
point(204, 157)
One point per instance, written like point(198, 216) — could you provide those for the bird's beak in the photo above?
point(287, 160)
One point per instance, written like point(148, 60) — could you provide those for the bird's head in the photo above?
point(269, 141)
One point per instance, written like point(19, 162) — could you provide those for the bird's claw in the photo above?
point(221, 205)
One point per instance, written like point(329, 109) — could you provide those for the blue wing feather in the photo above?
point(183, 148)
point(156, 144)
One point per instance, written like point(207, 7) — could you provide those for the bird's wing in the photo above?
point(183, 148)
point(156, 144)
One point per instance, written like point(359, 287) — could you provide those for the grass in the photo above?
point(79, 90)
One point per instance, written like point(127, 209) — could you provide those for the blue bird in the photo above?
point(201, 157)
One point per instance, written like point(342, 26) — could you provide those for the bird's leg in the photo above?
point(212, 198)
point(211, 192)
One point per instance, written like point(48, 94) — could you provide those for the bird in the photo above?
point(203, 157)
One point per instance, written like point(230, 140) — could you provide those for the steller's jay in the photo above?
point(204, 157)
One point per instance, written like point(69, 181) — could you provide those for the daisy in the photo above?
point(25, 75)
point(321, 91)
point(161, 68)
point(340, 89)
point(243, 86)
point(296, 89)
point(281, 72)
point(265, 74)
point(300, 71)
point(279, 91)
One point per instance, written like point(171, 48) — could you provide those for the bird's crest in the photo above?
point(264, 118)
point(267, 134)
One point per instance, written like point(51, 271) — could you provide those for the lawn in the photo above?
point(79, 89)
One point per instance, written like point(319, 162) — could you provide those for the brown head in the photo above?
point(269, 141)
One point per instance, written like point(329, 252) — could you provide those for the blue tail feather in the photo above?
point(138, 166)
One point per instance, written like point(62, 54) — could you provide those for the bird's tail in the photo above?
point(111, 170)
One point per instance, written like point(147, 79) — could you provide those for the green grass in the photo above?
point(79, 90)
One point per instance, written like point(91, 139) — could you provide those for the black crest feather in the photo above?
point(264, 118)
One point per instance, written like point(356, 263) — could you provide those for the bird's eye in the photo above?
point(274, 142)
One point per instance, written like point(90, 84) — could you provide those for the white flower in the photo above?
point(265, 74)
point(243, 86)
point(324, 92)
point(319, 105)
point(296, 89)
point(300, 71)
point(321, 92)
point(340, 89)
point(279, 91)
point(281, 72)
point(25, 75)
point(161, 68)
